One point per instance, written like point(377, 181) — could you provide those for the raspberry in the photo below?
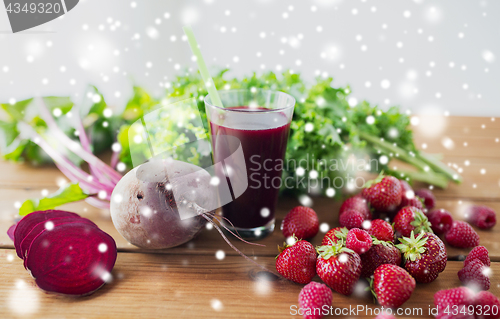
point(441, 221)
point(487, 300)
point(462, 235)
point(358, 240)
point(428, 197)
point(479, 252)
point(482, 217)
point(414, 201)
point(475, 275)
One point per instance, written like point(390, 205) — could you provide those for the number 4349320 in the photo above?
point(39, 7)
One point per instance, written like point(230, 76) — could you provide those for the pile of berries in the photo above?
point(393, 257)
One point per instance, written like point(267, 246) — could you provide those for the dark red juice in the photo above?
point(263, 137)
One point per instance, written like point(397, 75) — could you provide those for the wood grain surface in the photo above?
point(189, 281)
point(193, 286)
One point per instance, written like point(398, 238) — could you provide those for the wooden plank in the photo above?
point(209, 241)
point(481, 135)
point(175, 286)
point(481, 178)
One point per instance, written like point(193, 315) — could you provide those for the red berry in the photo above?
point(462, 235)
point(392, 285)
point(414, 201)
point(441, 221)
point(381, 252)
point(357, 203)
point(300, 221)
point(425, 256)
point(313, 297)
point(410, 219)
point(338, 267)
point(351, 219)
point(446, 300)
point(487, 300)
point(476, 275)
point(384, 193)
point(297, 262)
point(381, 230)
point(482, 216)
point(406, 187)
point(334, 235)
point(428, 197)
point(358, 240)
point(479, 252)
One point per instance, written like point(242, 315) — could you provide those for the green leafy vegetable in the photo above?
point(66, 194)
point(325, 134)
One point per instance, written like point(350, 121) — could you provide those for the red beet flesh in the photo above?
point(29, 221)
point(10, 231)
point(41, 227)
point(72, 258)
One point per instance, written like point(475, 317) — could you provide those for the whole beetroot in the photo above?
point(144, 208)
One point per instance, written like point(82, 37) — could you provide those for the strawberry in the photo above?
point(358, 240)
point(410, 219)
point(448, 300)
point(300, 221)
point(425, 256)
point(385, 316)
point(381, 252)
point(462, 235)
point(384, 193)
point(351, 219)
point(297, 262)
point(392, 285)
point(441, 221)
point(313, 297)
point(475, 275)
point(486, 300)
point(381, 230)
point(357, 203)
point(479, 252)
point(427, 196)
point(338, 267)
point(334, 235)
point(482, 216)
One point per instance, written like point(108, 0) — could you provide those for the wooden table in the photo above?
point(189, 281)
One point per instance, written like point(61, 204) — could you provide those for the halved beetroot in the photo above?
point(73, 259)
point(25, 225)
point(35, 231)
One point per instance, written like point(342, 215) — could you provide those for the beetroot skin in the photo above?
point(144, 210)
point(29, 221)
point(72, 259)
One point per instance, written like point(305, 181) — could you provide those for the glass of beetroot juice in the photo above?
point(249, 136)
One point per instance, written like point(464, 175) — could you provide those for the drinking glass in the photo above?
point(249, 136)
